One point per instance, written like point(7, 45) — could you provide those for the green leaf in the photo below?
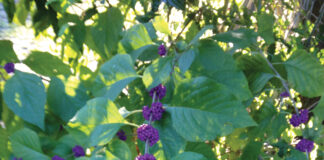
point(211, 61)
point(265, 27)
point(296, 155)
point(258, 81)
point(305, 74)
point(107, 32)
point(145, 53)
point(204, 106)
point(64, 146)
point(4, 151)
point(319, 109)
point(186, 60)
point(97, 111)
point(136, 37)
point(172, 143)
point(241, 38)
point(192, 32)
point(25, 95)
point(200, 33)
point(120, 149)
point(22, 11)
point(252, 150)
point(25, 143)
point(114, 76)
point(7, 53)
point(102, 134)
point(161, 25)
point(9, 7)
point(179, 4)
point(66, 96)
point(158, 72)
point(202, 148)
point(46, 64)
point(189, 156)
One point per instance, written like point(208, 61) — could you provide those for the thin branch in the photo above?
point(147, 147)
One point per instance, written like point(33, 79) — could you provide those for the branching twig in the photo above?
point(149, 122)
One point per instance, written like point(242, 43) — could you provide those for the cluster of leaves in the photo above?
point(222, 97)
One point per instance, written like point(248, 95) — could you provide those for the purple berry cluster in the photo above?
point(305, 145)
point(296, 120)
point(57, 158)
point(156, 111)
point(147, 132)
point(17, 158)
point(284, 94)
point(78, 151)
point(162, 50)
point(121, 135)
point(159, 91)
point(9, 67)
point(145, 157)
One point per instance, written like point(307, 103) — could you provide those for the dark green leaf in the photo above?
point(25, 95)
point(319, 109)
point(25, 143)
point(120, 149)
point(46, 64)
point(252, 150)
point(305, 74)
point(189, 156)
point(241, 37)
point(10, 8)
point(200, 33)
point(145, 53)
point(265, 27)
point(103, 133)
point(202, 148)
point(66, 96)
point(136, 37)
point(186, 60)
point(7, 53)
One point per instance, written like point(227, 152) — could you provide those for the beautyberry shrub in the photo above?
point(78, 151)
point(162, 50)
point(159, 91)
point(145, 157)
point(147, 132)
point(9, 67)
point(296, 120)
point(305, 145)
point(121, 135)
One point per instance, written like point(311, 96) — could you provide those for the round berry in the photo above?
point(303, 116)
point(296, 120)
point(57, 158)
point(157, 111)
point(159, 91)
point(147, 132)
point(78, 151)
point(162, 50)
point(284, 94)
point(121, 135)
point(9, 67)
point(145, 157)
point(17, 158)
point(305, 145)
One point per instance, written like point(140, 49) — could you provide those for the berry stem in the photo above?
point(284, 83)
point(149, 122)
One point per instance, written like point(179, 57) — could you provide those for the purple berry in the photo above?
point(57, 158)
point(285, 94)
point(146, 113)
point(305, 145)
point(17, 158)
point(147, 132)
point(9, 67)
point(145, 157)
point(159, 91)
point(121, 135)
point(157, 111)
point(78, 151)
point(162, 50)
point(296, 120)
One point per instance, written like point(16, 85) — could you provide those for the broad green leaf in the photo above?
point(25, 143)
point(114, 76)
point(201, 148)
point(151, 30)
point(161, 25)
point(192, 32)
point(46, 64)
point(10, 8)
point(241, 38)
point(211, 61)
point(97, 111)
point(145, 53)
point(136, 37)
point(120, 149)
point(252, 150)
point(189, 156)
point(65, 96)
point(103, 133)
point(203, 106)
point(186, 60)
point(265, 27)
point(200, 33)
point(172, 143)
point(258, 81)
point(22, 11)
point(158, 72)
point(64, 146)
point(7, 52)
point(305, 74)
point(319, 109)
point(296, 155)
point(25, 95)
point(179, 4)
point(106, 34)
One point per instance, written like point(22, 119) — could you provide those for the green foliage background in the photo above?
point(224, 70)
